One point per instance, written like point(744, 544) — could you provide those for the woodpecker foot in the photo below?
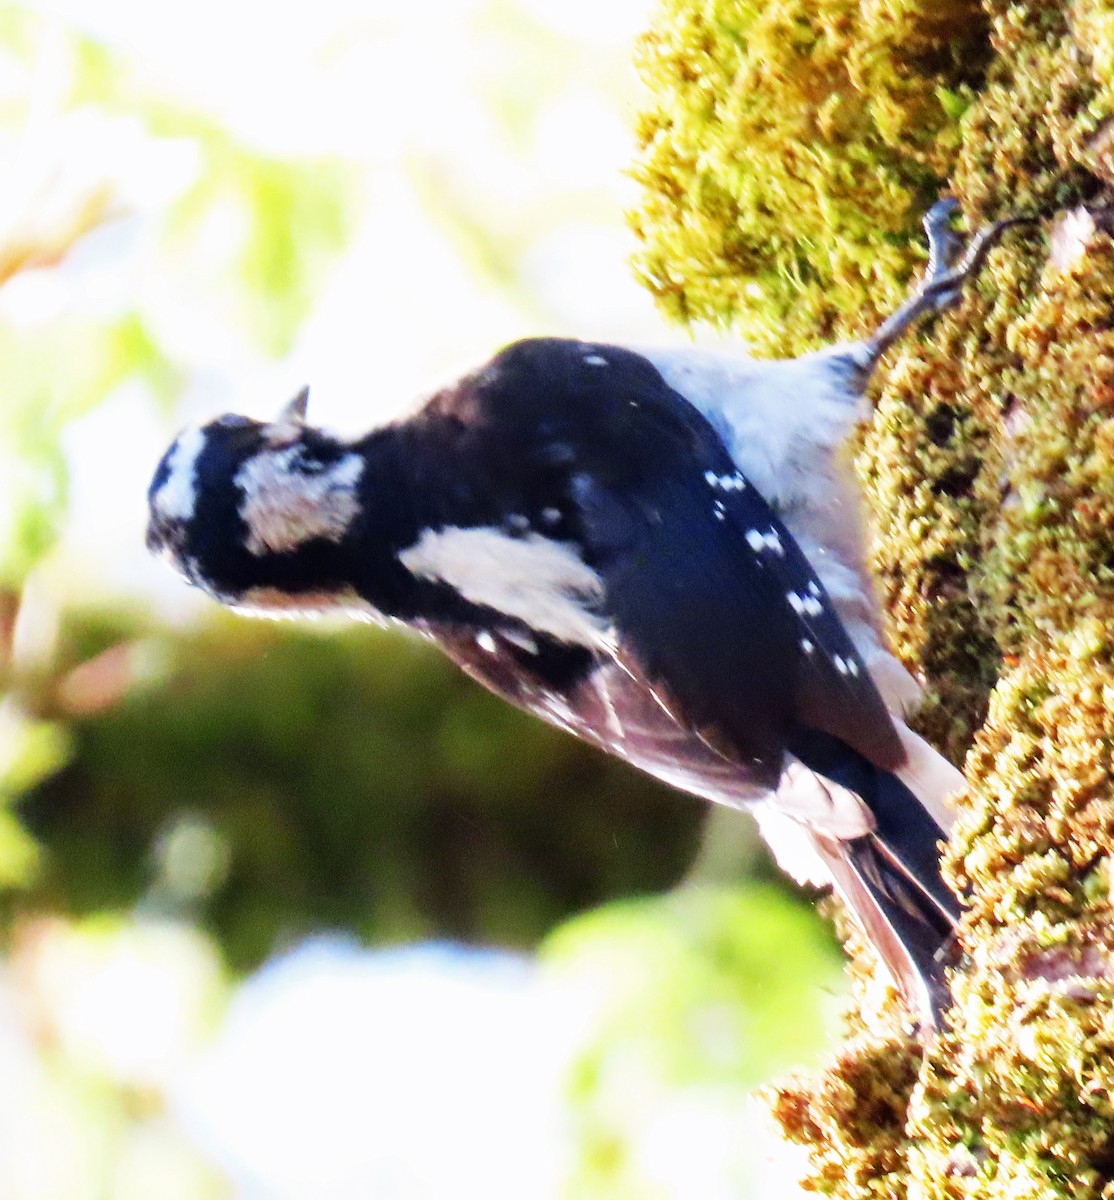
point(943, 241)
point(944, 279)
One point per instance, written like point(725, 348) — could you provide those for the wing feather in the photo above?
point(711, 594)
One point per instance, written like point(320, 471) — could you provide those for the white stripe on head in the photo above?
point(177, 498)
point(285, 506)
point(532, 579)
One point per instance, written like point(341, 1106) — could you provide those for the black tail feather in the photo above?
point(897, 891)
point(923, 930)
point(903, 826)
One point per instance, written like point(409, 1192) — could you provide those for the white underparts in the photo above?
point(930, 777)
point(543, 583)
point(177, 498)
point(804, 807)
point(285, 506)
point(275, 603)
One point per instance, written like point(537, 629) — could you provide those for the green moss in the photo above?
point(789, 151)
point(853, 1120)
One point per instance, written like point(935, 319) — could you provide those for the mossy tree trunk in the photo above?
point(789, 151)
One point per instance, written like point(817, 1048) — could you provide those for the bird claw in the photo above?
point(943, 241)
point(943, 247)
point(945, 276)
point(941, 211)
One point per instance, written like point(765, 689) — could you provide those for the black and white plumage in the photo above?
point(656, 551)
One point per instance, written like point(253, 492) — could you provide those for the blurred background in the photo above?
point(295, 910)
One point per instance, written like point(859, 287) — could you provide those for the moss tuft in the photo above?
point(789, 152)
point(853, 1120)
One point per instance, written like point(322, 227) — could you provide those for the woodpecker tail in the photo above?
point(910, 933)
point(878, 839)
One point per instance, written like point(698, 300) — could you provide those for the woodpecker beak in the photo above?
point(295, 412)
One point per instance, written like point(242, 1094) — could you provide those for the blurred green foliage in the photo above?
point(268, 781)
point(707, 992)
point(289, 218)
point(686, 969)
point(282, 224)
point(343, 780)
point(263, 782)
point(60, 373)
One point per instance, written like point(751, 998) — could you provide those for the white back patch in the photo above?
point(781, 420)
point(177, 498)
point(284, 506)
point(544, 583)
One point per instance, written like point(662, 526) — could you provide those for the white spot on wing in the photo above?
point(760, 542)
point(522, 640)
point(543, 583)
point(486, 642)
point(595, 360)
point(804, 606)
point(725, 483)
point(284, 506)
point(177, 497)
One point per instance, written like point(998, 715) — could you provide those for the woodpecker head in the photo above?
point(253, 512)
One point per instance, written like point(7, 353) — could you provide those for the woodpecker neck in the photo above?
point(388, 520)
point(413, 485)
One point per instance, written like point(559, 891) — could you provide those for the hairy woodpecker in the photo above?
point(657, 551)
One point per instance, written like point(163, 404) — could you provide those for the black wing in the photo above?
point(604, 701)
point(724, 650)
point(722, 630)
point(714, 600)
